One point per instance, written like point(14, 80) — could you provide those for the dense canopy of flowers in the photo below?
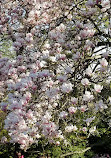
point(53, 86)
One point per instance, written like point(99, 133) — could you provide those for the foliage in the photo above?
point(6, 49)
point(3, 132)
point(7, 150)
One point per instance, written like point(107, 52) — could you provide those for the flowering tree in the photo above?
point(54, 87)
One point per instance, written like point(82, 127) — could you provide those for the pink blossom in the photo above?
point(90, 3)
point(84, 129)
point(66, 87)
point(72, 110)
point(74, 100)
point(63, 114)
point(85, 82)
point(3, 139)
point(98, 88)
point(87, 96)
point(103, 62)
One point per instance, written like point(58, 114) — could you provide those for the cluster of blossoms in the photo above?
point(54, 85)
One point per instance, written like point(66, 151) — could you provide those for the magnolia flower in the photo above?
point(60, 56)
point(85, 82)
point(52, 93)
point(29, 114)
point(90, 3)
point(105, 4)
point(23, 139)
point(38, 136)
point(84, 129)
point(68, 69)
point(89, 71)
point(103, 62)
point(60, 135)
point(52, 58)
point(98, 88)
point(29, 37)
point(27, 96)
point(3, 139)
point(12, 71)
point(31, 140)
point(83, 108)
point(79, 24)
point(72, 110)
point(61, 27)
point(87, 96)
point(62, 78)
point(63, 114)
point(75, 128)
point(66, 87)
point(83, 33)
point(46, 117)
point(45, 54)
point(3, 106)
point(92, 130)
point(89, 120)
point(69, 128)
point(74, 100)
point(76, 56)
point(22, 125)
point(106, 54)
point(49, 129)
point(100, 105)
point(91, 32)
point(45, 73)
point(69, 16)
point(57, 143)
point(21, 68)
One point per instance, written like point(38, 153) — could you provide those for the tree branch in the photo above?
point(76, 152)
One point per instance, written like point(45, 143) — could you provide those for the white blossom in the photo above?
point(87, 96)
point(98, 88)
point(85, 82)
point(103, 62)
point(66, 87)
